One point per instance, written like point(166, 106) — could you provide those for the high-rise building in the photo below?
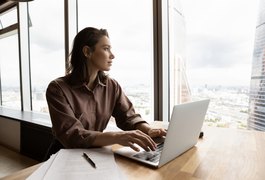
point(179, 86)
point(257, 87)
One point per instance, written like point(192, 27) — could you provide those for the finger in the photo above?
point(144, 140)
point(131, 145)
point(141, 144)
point(154, 133)
point(157, 133)
point(148, 137)
point(163, 132)
point(150, 140)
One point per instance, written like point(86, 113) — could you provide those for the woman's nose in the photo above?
point(112, 56)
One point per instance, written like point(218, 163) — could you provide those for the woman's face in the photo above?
point(101, 58)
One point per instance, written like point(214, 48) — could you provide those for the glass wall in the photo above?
point(130, 27)
point(46, 47)
point(136, 28)
point(9, 60)
point(9, 71)
point(219, 53)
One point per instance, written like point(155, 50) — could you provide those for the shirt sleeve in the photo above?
point(66, 127)
point(124, 112)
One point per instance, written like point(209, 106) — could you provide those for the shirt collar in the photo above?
point(99, 82)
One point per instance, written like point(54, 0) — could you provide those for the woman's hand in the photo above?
point(130, 138)
point(156, 132)
point(125, 138)
point(152, 132)
point(142, 137)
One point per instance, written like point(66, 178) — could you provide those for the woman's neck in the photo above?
point(92, 78)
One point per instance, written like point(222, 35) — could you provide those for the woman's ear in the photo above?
point(87, 51)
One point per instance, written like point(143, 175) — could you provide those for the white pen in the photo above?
point(89, 160)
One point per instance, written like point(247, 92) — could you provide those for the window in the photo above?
point(8, 18)
point(139, 34)
point(9, 71)
point(219, 57)
point(9, 60)
point(130, 27)
point(46, 48)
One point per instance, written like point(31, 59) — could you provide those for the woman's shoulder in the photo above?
point(111, 81)
point(58, 82)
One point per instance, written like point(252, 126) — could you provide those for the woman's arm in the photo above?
point(142, 136)
point(128, 120)
point(125, 138)
point(67, 128)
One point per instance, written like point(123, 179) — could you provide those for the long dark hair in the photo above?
point(77, 61)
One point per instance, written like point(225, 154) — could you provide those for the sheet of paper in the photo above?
point(70, 164)
point(41, 171)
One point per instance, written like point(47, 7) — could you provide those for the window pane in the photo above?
point(219, 53)
point(9, 68)
point(8, 18)
point(129, 23)
point(46, 48)
point(179, 86)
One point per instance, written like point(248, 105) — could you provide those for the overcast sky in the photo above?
point(220, 39)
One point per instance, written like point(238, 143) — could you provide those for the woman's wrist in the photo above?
point(105, 139)
point(143, 126)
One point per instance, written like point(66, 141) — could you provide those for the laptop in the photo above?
point(182, 134)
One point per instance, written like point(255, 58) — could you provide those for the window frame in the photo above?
point(160, 49)
point(24, 57)
point(161, 60)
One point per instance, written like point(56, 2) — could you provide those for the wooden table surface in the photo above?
point(225, 154)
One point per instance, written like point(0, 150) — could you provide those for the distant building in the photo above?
point(256, 118)
point(179, 86)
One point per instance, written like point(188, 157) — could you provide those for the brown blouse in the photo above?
point(78, 113)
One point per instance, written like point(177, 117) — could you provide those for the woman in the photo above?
point(82, 102)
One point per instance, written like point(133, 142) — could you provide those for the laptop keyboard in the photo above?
point(152, 156)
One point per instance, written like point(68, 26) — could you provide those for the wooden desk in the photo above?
point(225, 154)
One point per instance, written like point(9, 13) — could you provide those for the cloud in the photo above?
point(221, 35)
point(229, 76)
point(48, 43)
point(47, 30)
point(209, 51)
